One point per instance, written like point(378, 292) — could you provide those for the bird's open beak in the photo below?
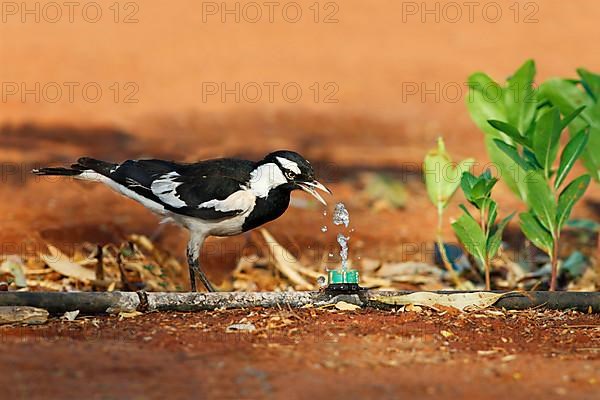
point(310, 187)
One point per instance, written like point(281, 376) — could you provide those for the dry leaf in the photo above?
point(342, 305)
point(446, 334)
point(60, 263)
point(14, 265)
point(460, 301)
point(413, 308)
point(129, 314)
point(22, 315)
point(240, 328)
point(285, 261)
point(46, 284)
point(70, 315)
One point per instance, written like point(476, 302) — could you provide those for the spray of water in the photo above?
point(343, 241)
point(341, 215)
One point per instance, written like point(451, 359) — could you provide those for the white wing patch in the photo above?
point(242, 200)
point(165, 189)
point(289, 164)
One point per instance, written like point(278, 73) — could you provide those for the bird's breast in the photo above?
point(267, 209)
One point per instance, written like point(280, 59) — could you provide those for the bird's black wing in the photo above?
point(202, 190)
point(214, 189)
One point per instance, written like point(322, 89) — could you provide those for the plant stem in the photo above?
point(554, 263)
point(488, 284)
point(554, 255)
point(442, 248)
point(486, 261)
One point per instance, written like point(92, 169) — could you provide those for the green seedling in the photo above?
point(549, 199)
point(442, 178)
point(481, 236)
point(571, 94)
point(514, 103)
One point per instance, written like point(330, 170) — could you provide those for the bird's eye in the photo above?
point(290, 175)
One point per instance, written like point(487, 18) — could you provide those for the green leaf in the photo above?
point(467, 181)
point(513, 153)
point(511, 172)
point(509, 130)
point(519, 97)
point(485, 101)
point(436, 161)
point(569, 155)
point(516, 105)
point(536, 233)
point(569, 118)
point(471, 236)
point(531, 159)
point(528, 134)
point(568, 197)
point(591, 83)
point(463, 167)
point(546, 138)
point(568, 97)
point(492, 213)
point(478, 189)
point(462, 207)
point(541, 200)
point(482, 188)
point(495, 239)
point(442, 177)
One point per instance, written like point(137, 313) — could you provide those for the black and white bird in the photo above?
point(219, 197)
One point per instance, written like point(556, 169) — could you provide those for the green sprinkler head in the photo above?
point(343, 280)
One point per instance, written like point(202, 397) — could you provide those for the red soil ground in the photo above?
point(303, 354)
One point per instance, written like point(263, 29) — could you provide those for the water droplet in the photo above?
point(323, 229)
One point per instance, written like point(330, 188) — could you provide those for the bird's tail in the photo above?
point(57, 171)
point(83, 164)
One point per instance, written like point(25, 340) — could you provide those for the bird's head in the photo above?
point(297, 173)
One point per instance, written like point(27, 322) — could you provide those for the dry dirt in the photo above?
point(306, 353)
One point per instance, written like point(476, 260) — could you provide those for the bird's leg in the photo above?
point(193, 256)
point(193, 267)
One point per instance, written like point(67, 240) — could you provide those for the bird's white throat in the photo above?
point(266, 177)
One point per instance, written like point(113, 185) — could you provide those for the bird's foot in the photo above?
point(196, 271)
